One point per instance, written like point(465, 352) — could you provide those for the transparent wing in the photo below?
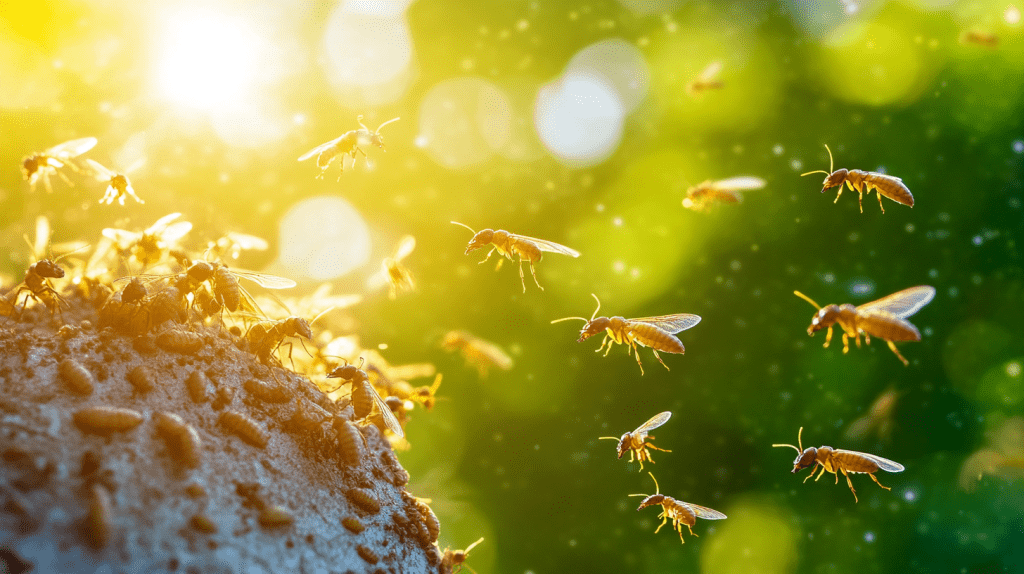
point(883, 463)
point(176, 231)
point(247, 242)
point(389, 417)
point(264, 280)
point(704, 512)
point(318, 149)
point(903, 303)
point(655, 422)
point(740, 183)
point(711, 71)
point(671, 323)
point(549, 246)
point(122, 237)
point(42, 238)
point(405, 247)
point(162, 223)
point(99, 172)
point(72, 148)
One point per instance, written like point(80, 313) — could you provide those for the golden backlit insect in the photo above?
point(638, 441)
point(706, 80)
point(41, 165)
point(510, 245)
point(679, 512)
point(396, 276)
point(118, 185)
point(453, 559)
point(479, 353)
point(979, 38)
point(37, 285)
point(878, 419)
point(657, 333)
point(347, 143)
point(232, 244)
point(836, 460)
point(863, 182)
point(884, 318)
point(703, 195)
point(148, 247)
point(364, 393)
point(266, 337)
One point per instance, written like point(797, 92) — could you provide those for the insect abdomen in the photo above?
point(891, 187)
point(527, 250)
point(854, 462)
point(677, 511)
point(888, 327)
point(655, 338)
point(226, 288)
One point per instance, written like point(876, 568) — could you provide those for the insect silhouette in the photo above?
point(148, 247)
point(392, 273)
point(510, 245)
point(41, 165)
point(979, 38)
point(637, 442)
point(679, 512)
point(363, 390)
point(657, 333)
point(37, 284)
point(118, 185)
point(706, 80)
point(347, 143)
point(836, 460)
point(478, 352)
point(878, 418)
point(863, 182)
point(456, 558)
point(884, 318)
point(701, 196)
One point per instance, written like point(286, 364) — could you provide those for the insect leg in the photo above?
point(649, 445)
point(892, 346)
point(522, 278)
point(846, 343)
point(850, 483)
point(657, 356)
point(839, 194)
point(46, 179)
point(872, 475)
point(879, 199)
point(856, 339)
point(828, 337)
point(690, 528)
point(610, 342)
point(637, 353)
point(663, 521)
point(867, 339)
point(534, 271)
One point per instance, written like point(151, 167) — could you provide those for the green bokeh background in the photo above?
point(515, 458)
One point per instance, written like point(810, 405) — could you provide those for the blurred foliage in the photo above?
point(515, 457)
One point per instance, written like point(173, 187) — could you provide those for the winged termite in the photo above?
point(884, 318)
point(636, 442)
point(364, 396)
point(510, 245)
point(393, 273)
point(706, 80)
point(657, 333)
point(41, 165)
point(703, 195)
point(863, 182)
point(232, 244)
point(118, 185)
point(679, 512)
point(479, 353)
point(347, 143)
point(148, 247)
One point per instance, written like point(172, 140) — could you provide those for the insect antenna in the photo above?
point(470, 547)
point(800, 441)
point(657, 490)
point(831, 165)
point(359, 120)
point(607, 437)
point(596, 310)
point(806, 298)
point(386, 123)
point(464, 225)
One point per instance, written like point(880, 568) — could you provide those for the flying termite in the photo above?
point(347, 143)
point(979, 38)
point(657, 333)
point(453, 559)
point(478, 352)
point(118, 185)
point(884, 318)
point(148, 247)
point(863, 182)
point(509, 245)
point(703, 195)
point(838, 460)
point(878, 418)
point(392, 273)
point(41, 165)
point(679, 512)
point(232, 244)
point(706, 80)
point(364, 394)
point(638, 441)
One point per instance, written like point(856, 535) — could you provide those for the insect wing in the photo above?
point(740, 183)
point(405, 247)
point(883, 463)
point(99, 172)
point(389, 417)
point(704, 512)
point(264, 280)
point(903, 303)
point(123, 238)
point(73, 148)
point(247, 242)
point(670, 323)
point(711, 71)
point(549, 246)
point(43, 233)
point(655, 422)
point(320, 148)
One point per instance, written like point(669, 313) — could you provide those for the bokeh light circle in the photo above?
point(579, 118)
point(463, 121)
point(621, 64)
point(368, 57)
point(323, 238)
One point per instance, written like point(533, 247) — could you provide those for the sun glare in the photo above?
point(206, 60)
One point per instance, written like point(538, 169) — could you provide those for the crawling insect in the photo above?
point(457, 558)
point(657, 333)
point(37, 285)
point(838, 460)
point(679, 512)
point(266, 337)
point(364, 393)
point(703, 195)
point(509, 245)
point(347, 143)
point(884, 318)
point(706, 80)
point(118, 186)
point(41, 165)
point(863, 182)
point(636, 442)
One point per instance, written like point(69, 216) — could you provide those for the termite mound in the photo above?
point(146, 478)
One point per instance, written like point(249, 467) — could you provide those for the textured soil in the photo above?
point(203, 460)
